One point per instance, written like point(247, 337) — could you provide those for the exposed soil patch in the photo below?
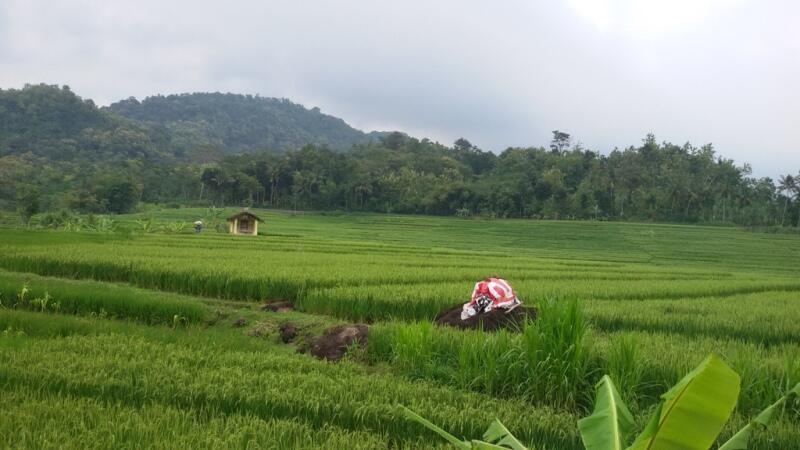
point(240, 322)
point(491, 321)
point(333, 344)
point(277, 306)
point(288, 332)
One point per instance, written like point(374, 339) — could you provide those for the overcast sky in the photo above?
point(500, 73)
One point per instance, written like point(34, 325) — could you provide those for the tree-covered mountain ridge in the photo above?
point(239, 123)
point(55, 123)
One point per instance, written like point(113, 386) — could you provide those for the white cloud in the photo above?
point(651, 17)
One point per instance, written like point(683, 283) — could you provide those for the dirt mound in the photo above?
point(277, 306)
point(333, 344)
point(491, 321)
point(288, 332)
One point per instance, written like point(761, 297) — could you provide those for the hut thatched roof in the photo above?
point(244, 214)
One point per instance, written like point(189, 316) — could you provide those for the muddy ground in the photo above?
point(280, 306)
point(334, 343)
point(287, 332)
point(491, 321)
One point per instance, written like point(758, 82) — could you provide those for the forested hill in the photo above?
point(240, 123)
point(53, 123)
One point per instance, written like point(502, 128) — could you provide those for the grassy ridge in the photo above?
point(765, 318)
point(379, 280)
point(118, 352)
point(266, 385)
point(657, 300)
point(28, 324)
point(75, 422)
point(90, 297)
point(688, 246)
point(578, 240)
point(651, 362)
point(425, 300)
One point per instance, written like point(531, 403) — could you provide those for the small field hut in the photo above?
point(244, 222)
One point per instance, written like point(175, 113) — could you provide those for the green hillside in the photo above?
point(53, 123)
point(236, 123)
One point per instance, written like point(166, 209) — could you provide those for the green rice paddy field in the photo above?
point(126, 339)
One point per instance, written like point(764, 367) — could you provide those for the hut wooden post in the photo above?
point(244, 222)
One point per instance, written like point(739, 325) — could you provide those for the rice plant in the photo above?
point(263, 385)
point(45, 294)
point(642, 302)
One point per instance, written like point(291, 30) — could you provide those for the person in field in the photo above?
point(489, 294)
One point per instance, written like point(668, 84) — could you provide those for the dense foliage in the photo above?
point(60, 152)
point(233, 123)
point(660, 182)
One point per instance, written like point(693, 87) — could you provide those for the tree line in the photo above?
point(654, 182)
point(61, 152)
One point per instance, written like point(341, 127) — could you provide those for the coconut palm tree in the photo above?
point(797, 194)
point(787, 184)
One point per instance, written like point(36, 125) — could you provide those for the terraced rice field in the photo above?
point(125, 340)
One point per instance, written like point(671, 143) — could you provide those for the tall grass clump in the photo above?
point(557, 353)
point(760, 383)
point(548, 362)
point(623, 363)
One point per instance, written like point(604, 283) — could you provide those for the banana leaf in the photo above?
point(610, 423)
point(499, 436)
point(464, 445)
point(741, 439)
point(481, 445)
point(693, 411)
